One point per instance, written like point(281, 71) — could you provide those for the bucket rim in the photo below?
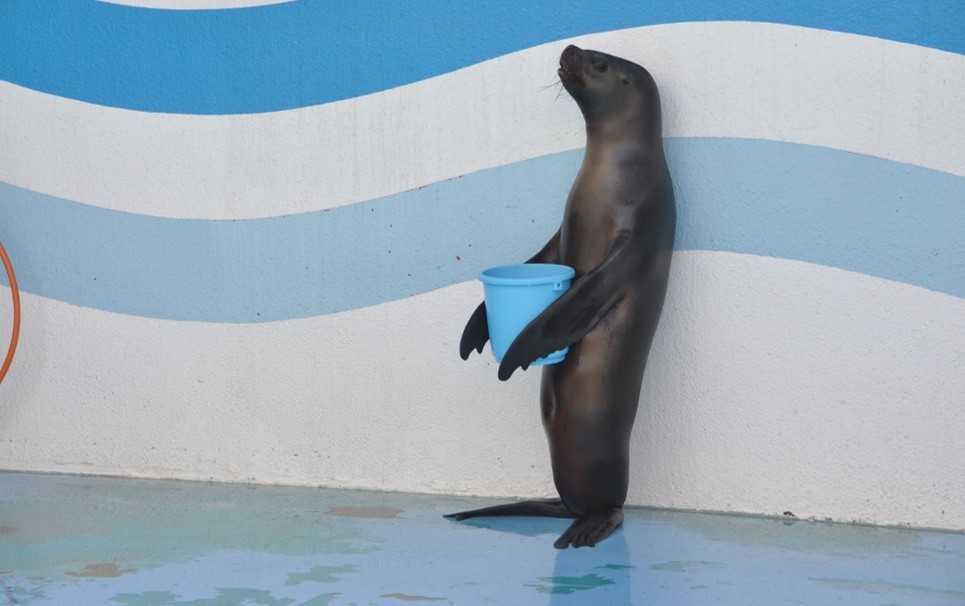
point(563, 272)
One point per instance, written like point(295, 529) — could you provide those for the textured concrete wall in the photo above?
point(248, 241)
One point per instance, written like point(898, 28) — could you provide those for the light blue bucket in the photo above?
point(515, 295)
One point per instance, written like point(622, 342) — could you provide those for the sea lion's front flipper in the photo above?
point(572, 316)
point(476, 333)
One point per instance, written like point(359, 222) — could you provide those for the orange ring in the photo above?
point(15, 292)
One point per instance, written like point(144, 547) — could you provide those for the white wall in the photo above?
point(817, 373)
point(745, 407)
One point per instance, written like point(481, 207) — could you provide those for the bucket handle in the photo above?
point(558, 286)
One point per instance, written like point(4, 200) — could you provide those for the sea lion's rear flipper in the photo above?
point(572, 316)
point(591, 528)
point(549, 508)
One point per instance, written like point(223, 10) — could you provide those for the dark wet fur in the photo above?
point(617, 233)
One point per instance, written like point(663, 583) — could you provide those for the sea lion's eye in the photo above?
point(624, 80)
point(600, 67)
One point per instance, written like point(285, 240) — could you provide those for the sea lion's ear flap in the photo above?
point(571, 317)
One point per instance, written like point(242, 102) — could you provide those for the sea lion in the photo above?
point(618, 234)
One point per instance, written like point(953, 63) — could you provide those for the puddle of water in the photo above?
point(103, 570)
point(320, 574)
point(405, 597)
point(691, 566)
point(885, 587)
point(364, 512)
point(566, 585)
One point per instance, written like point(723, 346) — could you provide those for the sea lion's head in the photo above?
point(614, 94)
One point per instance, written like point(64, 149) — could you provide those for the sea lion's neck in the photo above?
point(620, 148)
point(627, 137)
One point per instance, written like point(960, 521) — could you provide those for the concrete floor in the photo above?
point(80, 540)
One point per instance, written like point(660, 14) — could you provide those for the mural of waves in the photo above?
point(281, 56)
point(758, 363)
point(864, 95)
point(749, 196)
point(238, 219)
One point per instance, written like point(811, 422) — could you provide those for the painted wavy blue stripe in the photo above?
point(778, 199)
point(295, 54)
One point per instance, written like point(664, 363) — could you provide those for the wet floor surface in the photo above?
point(79, 540)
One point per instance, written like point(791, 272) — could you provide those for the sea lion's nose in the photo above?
point(570, 53)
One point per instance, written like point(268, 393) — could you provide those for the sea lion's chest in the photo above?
point(592, 218)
